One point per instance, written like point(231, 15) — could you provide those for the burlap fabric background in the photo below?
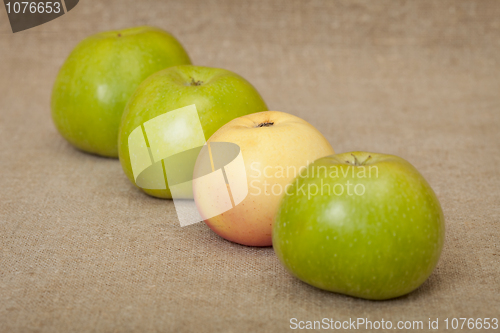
point(83, 250)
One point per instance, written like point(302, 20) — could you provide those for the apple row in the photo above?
point(362, 224)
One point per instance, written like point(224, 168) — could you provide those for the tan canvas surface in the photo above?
point(82, 250)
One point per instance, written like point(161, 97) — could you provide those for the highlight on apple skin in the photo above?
point(97, 79)
point(218, 94)
point(361, 224)
point(275, 146)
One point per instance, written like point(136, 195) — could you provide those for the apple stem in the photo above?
point(356, 161)
point(196, 83)
point(265, 124)
point(367, 159)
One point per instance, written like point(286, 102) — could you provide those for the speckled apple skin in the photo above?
point(219, 95)
point(96, 80)
point(379, 245)
point(290, 143)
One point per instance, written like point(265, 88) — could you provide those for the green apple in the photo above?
point(99, 76)
point(218, 94)
point(362, 224)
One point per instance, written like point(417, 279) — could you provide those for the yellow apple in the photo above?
point(275, 147)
